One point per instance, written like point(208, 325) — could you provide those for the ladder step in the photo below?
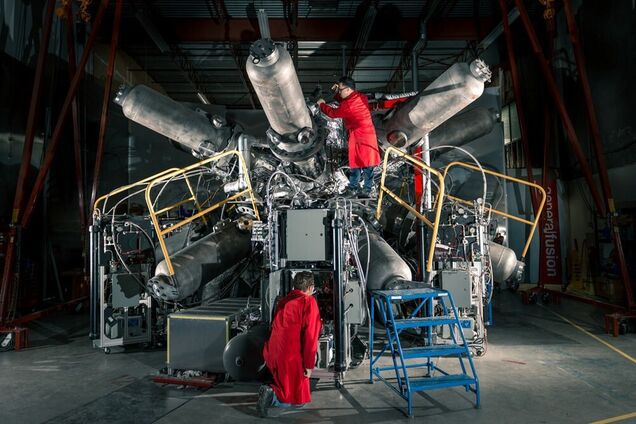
point(424, 322)
point(433, 351)
point(411, 294)
point(440, 382)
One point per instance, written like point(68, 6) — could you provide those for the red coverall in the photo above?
point(363, 142)
point(292, 346)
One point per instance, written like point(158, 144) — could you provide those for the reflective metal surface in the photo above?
point(272, 73)
point(243, 355)
point(193, 130)
point(200, 262)
point(504, 261)
point(465, 127)
point(385, 265)
point(456, 88)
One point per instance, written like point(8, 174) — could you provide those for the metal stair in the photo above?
point(383, 302)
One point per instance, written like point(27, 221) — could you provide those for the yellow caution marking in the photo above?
point(616, 419)
point(598, 339)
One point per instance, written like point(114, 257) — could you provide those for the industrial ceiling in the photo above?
point(196, 49)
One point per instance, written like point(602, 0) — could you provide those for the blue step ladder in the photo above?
point(385, 301)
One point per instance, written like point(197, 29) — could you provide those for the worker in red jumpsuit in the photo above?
point(290, 352)
point(364, 153)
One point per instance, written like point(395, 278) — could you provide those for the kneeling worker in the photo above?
point(364, 153)
point(290, 352)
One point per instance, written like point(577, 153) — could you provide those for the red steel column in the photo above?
point(33, 109)
point(598, 146)
point(103, 124)
point(560, 106)
point(514, 73)
point(70, 44)
point(27, 151)
point(547, 121)
point(57, 132)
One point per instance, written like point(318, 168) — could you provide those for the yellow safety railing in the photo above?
point(532, 224)
point(145, 181)
point(440, 195)
point(166, 176)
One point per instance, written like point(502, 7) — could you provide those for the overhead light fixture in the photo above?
point(203, 99)
point(263, 24)
point(496, 32)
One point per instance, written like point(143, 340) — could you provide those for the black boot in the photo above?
point(265, 400)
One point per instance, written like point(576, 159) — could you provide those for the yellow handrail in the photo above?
point(129, 186)
point(438, 208)
point(201, 212)
point(532, 224)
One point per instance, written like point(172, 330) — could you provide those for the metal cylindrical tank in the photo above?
point(463, 128)
point(456, 88)
point(272, 73)
point(386, 267)
point(243, 355)
point(160, 113)
point(200, 262)
point(504, 262)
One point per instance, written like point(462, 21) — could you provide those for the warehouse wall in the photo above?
point(20, 24)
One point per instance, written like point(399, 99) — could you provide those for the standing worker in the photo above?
point(364, 153)
point(290, 352)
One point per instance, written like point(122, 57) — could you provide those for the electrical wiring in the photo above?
point(477, 163)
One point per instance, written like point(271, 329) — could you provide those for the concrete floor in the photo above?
point(538, 369)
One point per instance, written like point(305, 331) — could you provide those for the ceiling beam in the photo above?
point(364, 30)
point(145, 17)
point(323, 29)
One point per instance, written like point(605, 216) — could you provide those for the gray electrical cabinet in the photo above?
point(306, 235)
point(197, 336)
point(457, 282)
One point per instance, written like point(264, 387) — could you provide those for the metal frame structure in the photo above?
point(516, 85)
point(605, 204)
point(22, 213)
point(168, 176)
point(532, 224)
point(108, 83)
point(407, 385)
point(440, 195)
point(437, 204)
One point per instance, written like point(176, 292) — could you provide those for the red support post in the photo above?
point(547, 141)
point(547, 122)
point(33, 111)
point(57, 132)
point(516, 84)
point(70, 44)
point(27, 151)
point(560, 106)
point(598, 146)
point(103, 123)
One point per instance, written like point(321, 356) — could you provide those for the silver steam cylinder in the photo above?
point(456, 88)
point(465, 127)
point(505, 266)
point(292, 135)
point(204, 135)
point(386, 268)
point(201, 261)
point(271, 71)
